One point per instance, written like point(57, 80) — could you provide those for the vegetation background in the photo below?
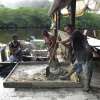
point(31, 20)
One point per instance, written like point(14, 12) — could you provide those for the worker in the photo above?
point(15, 49)
point(50, 41)
point(67, 43)
point(84, 58)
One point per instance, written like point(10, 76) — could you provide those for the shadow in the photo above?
point(5, 69)
point(95, 89)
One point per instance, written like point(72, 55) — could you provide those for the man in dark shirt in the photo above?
point(15, 49)
point(84, 56)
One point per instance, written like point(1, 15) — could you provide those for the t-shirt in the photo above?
point(14, 46)
point(64, 49)
point(63, 35)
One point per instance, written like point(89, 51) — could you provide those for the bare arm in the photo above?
point(65, 42)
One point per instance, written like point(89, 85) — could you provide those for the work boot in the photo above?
point(86, 89)
point(47, 71)
point(86, 86)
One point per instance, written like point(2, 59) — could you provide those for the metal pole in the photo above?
point(58, 20)
point(73, 12)
point(56, 27)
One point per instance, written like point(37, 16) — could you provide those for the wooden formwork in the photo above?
point(26, 83)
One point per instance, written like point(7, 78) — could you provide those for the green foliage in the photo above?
point(38, 17)
point(24, 17)
point(88, 20)
point(64, 21)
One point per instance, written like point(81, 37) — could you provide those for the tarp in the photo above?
point(94, 42)
point(80, 6)
point(80, 9)
point(58, 5)
point(94, 5)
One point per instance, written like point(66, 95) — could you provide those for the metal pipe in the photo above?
point(73, 12)
point(58, 19)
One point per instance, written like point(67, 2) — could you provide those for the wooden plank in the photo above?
point(42, 84)
point(37, 83)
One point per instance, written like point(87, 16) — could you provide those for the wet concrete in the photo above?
point(28, 72)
